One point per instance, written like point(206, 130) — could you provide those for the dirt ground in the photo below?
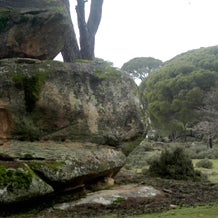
point(174, 194)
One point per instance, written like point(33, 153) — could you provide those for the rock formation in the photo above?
point(59, 119)
point(31, 28)
point(60, 106)
point(33, 169)
point(83, 102)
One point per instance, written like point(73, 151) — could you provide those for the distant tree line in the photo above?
point(181, 96)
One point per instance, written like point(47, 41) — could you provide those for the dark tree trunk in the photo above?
point(88, 30)
point(210, 141)
point(94, 21)
point(70, 51)
point(85, 45)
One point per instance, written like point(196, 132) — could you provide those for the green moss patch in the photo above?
point(13, 179)
point(53, 165)
point(108, 72)
point(31, 86)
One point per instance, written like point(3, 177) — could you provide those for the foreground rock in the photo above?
point(87, 102)
point(112, 196)
point(30, 170)
point(30, 28)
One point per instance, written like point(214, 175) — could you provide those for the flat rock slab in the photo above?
point(114, 195)
point(46, 167)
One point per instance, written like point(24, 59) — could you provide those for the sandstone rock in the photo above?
point(85, 102)
point(30, 28)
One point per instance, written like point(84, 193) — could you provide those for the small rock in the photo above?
point(172, 206)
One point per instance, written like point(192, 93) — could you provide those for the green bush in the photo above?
point(205, 163)
point(128, 147)
point(202, 152)
point(174, 163)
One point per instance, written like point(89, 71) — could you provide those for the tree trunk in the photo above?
point(210, 141)
point(94, 21)
point(85, 49)
point(88, 30)
point(70, 51)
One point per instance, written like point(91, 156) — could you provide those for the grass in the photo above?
point(196, 212)
point(211, 173)
point(209, 211)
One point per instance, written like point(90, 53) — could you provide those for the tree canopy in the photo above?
point(140, 67)
point(208, 125)
point(173, 93)
point(87, 31)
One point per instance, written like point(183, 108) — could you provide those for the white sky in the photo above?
point(154, 28)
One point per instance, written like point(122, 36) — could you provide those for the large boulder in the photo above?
point(29, 170)
point(30, 28)
point(86, 102)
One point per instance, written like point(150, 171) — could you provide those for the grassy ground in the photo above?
point(211, 173)
point(210, 211)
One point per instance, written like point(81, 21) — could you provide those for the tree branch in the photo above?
point(95, 16)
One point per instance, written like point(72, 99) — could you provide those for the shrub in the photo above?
point(174, 164)
point(128, 147)
point(205, 163)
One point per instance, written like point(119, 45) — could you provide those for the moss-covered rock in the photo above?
point(34, 29)
point(20, 183)
point(59, 101)
point(39, 168)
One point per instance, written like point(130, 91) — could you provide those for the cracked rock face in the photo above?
point(35, 29)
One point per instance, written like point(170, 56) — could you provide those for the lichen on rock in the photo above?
point(20, 183)
point(66, 101)
point(32, 29)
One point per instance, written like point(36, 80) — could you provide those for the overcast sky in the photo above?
point(154, 28)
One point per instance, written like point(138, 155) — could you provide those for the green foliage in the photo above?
point(103, 69)
point(108, 72)
point(118, 200)
point(208, 125)
point(141, 67)
point(19, 178)
point(128, 147)
point(84, 61)
point(173, 93)
point(202, 152)
point(174, 164)
point(205, 163)
point(52, 165)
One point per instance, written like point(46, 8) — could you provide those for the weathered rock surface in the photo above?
point(29, 170)
point(30, 28)
point(84, 102)
point(113, 196)
point(71, 112)
point(19, 183)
